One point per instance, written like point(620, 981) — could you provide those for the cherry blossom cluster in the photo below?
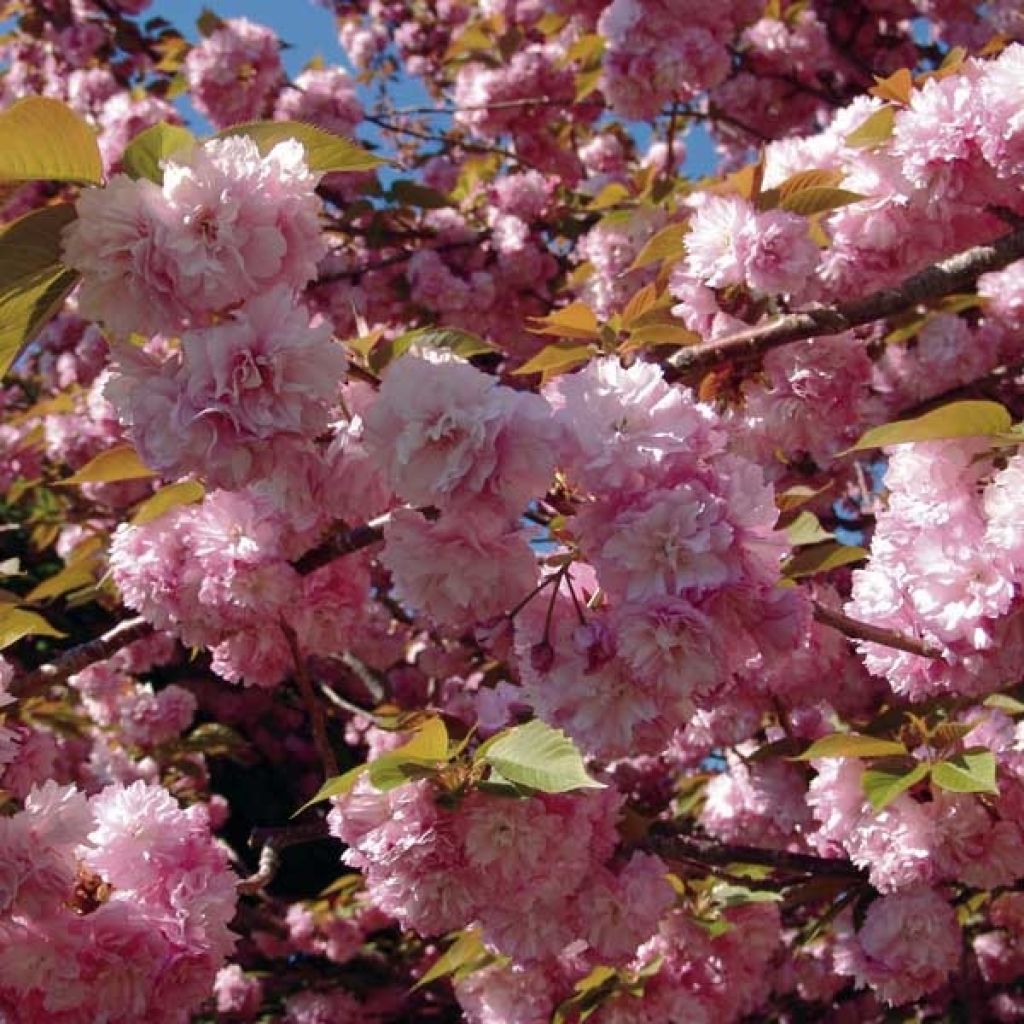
point(287, 419)
point(437, 869)
point(115, 907)
point(945, 567)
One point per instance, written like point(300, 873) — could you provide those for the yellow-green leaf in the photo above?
point(638, 304)
point(462, 343)
point(16, 623)
point(33, 281)
point(538, 757)
point(587, 50)
point(187, 492)
point(430, 741)
point(806, 529)
point(1005, 703)
point(851, 744)
point(324, 151)
point(886, 778)
point(809, 201)
point(799, 182)
point(464, 951)
point(577, 320)
point(897, 87)
point(659, 334)
point(590, 993)
point(120, 463)
point(816, 558)
point(666, 244)
point(144, 155)
point(973, 771)
point(874, 130)
point(419, 756)
point(80, 572)
point(586, 83)
point(611, 195)
point(957, 419)
point(799, 494)
point(45, 140)
point(474, 36)
point(558, 358)
point(336, 785)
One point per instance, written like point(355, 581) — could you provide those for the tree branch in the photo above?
point(956, 274)
point(874, 634)
point(344, 543)
point(77, 658)
point(271, 842)
point(671, 846)
point(317, 719)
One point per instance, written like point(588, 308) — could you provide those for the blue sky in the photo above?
point(307, 26)
point(309, 30)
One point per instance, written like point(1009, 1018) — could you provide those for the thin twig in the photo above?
point(272, 841)
point(874, 634)
point(957, 274)
point(317, 719)
point(354, 273)
point(472, 147)
point(526, 101)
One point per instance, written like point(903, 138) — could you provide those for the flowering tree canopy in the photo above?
point(458, 566)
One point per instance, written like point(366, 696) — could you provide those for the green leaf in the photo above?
point(875, 130)
point(586, 83)
point(45, 140)
point(143, 156)
point(851, 744)
point(33, 281)
point(462, 343)
point(80, 572)
point(590, 993)
point(793, 497)
point(577, 320)
point(611, 195)
point(659, 334)
point(119, 463)
point(558, 358)
point(885, 779)
point(324, 151)
point(957, 419)
point(412, 193)
point(336, 785)
point(1005, 703)
point(417, 758)
point(467, 948)
point(728, 895)
point(16, 623)
point(973, 771)
point(818, 200)
point(771, 198)
point(388, 772)
point(187, 492)
point(539, 757)
point(429, 741)
point(811, 560)
point(666, 244)
point(806, 529)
